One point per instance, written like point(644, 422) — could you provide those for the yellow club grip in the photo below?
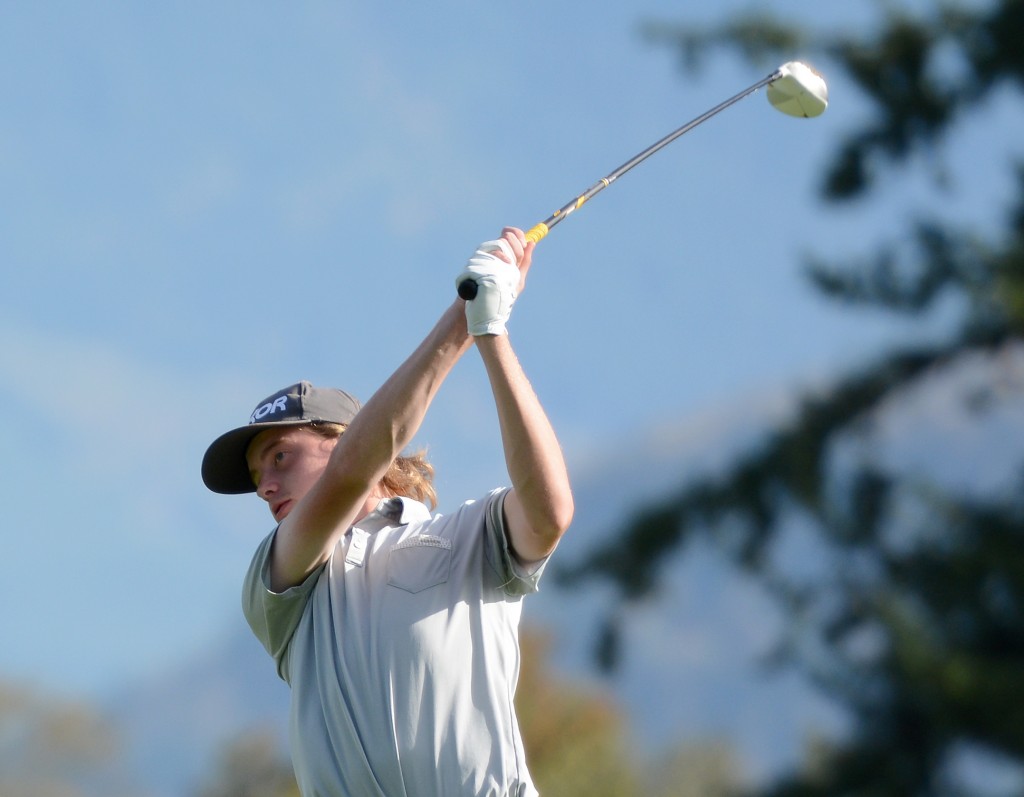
point(536, 232)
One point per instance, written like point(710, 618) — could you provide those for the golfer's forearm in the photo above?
point(387, 423)
point(533, 455)
point(363, 454)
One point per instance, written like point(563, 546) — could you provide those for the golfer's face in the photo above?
point(285, 463)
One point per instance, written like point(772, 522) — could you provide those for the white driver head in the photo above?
point(798, 91)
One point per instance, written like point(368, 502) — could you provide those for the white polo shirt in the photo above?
point(402, 653)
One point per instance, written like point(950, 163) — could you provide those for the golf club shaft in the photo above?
point(467, 289)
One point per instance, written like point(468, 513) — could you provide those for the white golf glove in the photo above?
point(497, 285)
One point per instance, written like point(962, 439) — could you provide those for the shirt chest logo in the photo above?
point(357, 547)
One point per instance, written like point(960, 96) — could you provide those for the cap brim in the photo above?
point(225, 469)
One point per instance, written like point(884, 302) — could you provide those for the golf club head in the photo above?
point(799, 91)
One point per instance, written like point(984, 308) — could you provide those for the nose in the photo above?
point(266, 488)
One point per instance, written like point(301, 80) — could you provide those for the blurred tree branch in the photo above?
point(916, 622)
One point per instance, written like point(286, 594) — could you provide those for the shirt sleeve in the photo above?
point(516, 580)
point(274, 616)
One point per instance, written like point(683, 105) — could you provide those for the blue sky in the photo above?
point(202, 203)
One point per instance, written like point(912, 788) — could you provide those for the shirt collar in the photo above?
point(399, 511)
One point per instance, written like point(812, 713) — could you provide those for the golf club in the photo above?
point(794, 88)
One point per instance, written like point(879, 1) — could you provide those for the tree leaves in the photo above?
point(914, 621)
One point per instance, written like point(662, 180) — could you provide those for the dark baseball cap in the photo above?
point(225, 469)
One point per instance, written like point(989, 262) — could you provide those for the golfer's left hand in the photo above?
point(499, 269)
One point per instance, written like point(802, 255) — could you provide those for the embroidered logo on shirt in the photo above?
point(357, 547)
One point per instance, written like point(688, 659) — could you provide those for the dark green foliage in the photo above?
point(917, 100)
point(915, 620)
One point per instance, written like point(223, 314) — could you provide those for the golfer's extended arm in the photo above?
point(380, 431)
point(539, 508)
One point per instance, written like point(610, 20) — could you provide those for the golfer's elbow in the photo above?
point(550, 520)
point(536, 526)
point(561, 515)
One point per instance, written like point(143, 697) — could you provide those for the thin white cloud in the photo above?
point(131, 431)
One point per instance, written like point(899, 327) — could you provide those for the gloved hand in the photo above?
point(497, 287)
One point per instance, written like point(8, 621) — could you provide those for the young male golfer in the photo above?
point(396, 629)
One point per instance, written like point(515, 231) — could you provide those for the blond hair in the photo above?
point(409, 475)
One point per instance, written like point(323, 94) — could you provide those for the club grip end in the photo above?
point(467, 290)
